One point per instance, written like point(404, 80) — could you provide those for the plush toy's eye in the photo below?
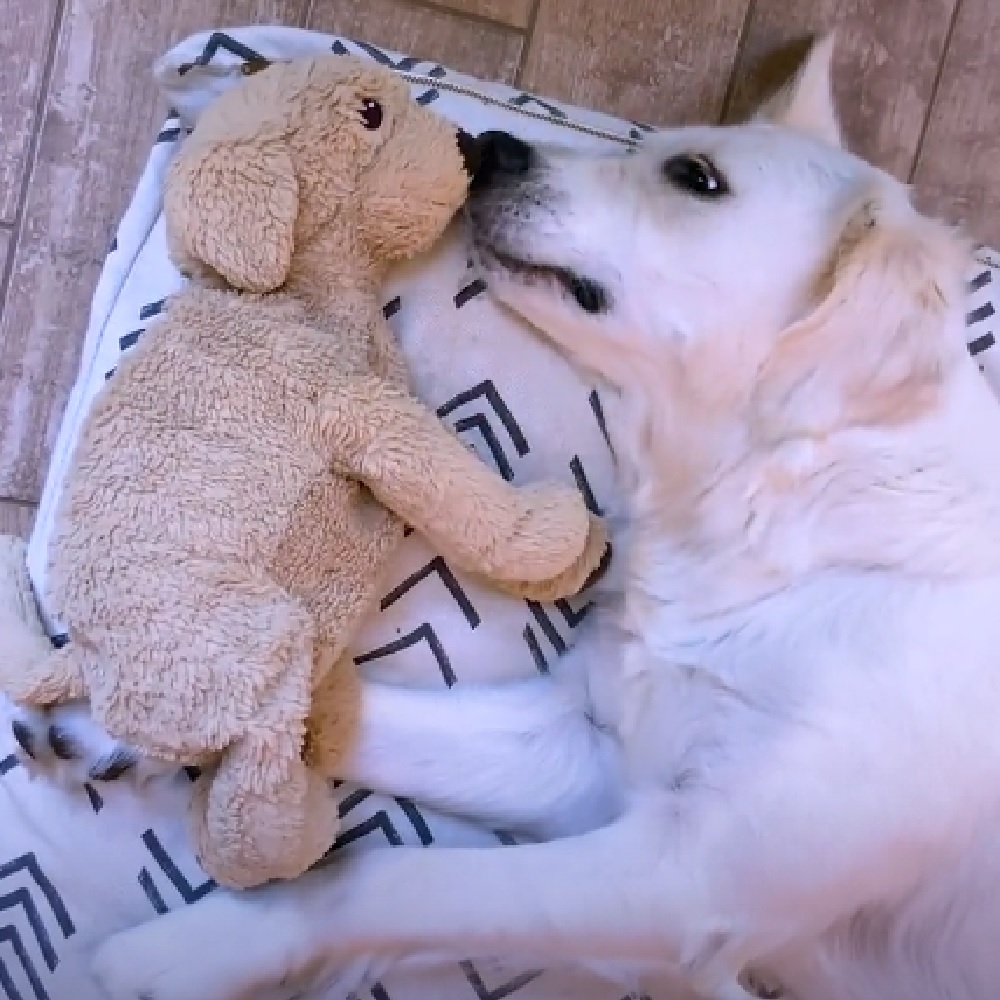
point(371, 113)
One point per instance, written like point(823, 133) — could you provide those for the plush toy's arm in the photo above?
point(537, 542)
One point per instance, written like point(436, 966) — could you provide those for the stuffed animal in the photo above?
point(243, 480)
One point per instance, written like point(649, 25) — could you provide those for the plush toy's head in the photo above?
point(301, 147)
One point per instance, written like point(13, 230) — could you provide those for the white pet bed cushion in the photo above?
point(75, 867)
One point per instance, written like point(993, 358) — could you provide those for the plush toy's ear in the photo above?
point(806, 103)
point(232, 205)
point(887, 330)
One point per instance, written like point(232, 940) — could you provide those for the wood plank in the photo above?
point(516, 13)
point(490, 51)
point(885, 67)
point(101, 114)
point(24, 41)
point(956, 174)
point(646, 60)
point(16, 518)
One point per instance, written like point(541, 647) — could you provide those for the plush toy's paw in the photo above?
point(66, 743)
point(591, 564)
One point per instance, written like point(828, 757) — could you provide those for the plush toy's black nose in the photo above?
point(495, 155)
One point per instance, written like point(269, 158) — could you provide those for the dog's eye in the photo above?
point(371, 113)
point(695, 174)
point(590, 296)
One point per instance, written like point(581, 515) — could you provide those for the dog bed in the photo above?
point(76, 866)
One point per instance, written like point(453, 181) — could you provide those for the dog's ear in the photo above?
point(232, 205)
point(887, 330)
point(806, 102)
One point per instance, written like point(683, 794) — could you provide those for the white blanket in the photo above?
point(75, 867)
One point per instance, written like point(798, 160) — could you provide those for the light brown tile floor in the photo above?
point(918, 87)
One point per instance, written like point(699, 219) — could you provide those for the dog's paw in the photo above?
point(209, 951)
point(66, 743)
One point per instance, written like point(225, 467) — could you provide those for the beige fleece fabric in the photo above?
point(244, 478)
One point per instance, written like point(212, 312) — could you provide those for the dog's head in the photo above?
point(757, 271)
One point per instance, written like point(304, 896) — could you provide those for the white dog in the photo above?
point(781, 746)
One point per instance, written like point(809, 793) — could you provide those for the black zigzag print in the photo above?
point(148, 311)
point(8, 764)
point(437, 566)
point(24, 901)
point(152, 893)
point(151, 309)
point(189, 893)
point(130, 339)
point(483, 992)
point(980, 313)
point(521, 100)
point(535, 648)
point(423, 633)
point(407, 64)
point(545, 627)
point(481, 422)
point(469, 292)
point(980, 281)
point(595, 405)
point(10, 936)
point(219, 40)
point(637, 131)
point(169, 133)
point(583, 485)
point(980, 344)
point(417, 821)
point(379, 821)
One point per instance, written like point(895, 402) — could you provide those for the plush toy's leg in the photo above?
point(31, 671)
point(263, 814)
point(422, 471)
point(333, 724)
point(50, 677)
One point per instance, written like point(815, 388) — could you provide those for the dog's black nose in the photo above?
point(469, 148)
point(497, 154)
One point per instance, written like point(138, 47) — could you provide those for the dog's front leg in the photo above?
point(522, 757)
point(588, 897)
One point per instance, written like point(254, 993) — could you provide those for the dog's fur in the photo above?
point(778, 745)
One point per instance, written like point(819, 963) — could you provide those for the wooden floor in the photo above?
point(918, 86)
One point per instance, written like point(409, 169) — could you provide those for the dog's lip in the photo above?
point(494, 257)
point(591, 296)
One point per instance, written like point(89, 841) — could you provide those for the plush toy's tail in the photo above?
point(31, 671)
